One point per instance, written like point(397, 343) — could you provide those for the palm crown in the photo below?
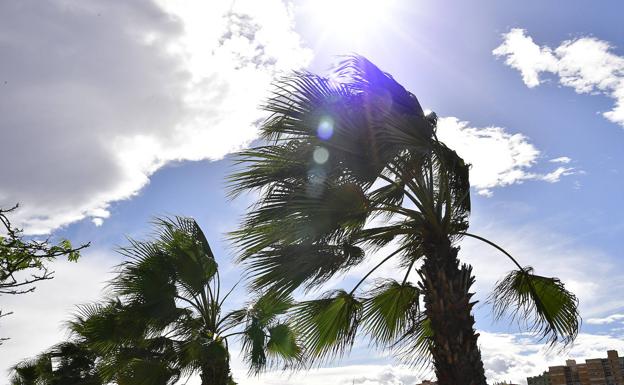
point(352, 164)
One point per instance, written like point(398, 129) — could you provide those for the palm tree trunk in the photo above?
point(218, 374)
point(457, 359)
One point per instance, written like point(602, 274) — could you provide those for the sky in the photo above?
point(116, 111)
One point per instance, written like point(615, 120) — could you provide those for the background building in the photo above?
point(595, 371)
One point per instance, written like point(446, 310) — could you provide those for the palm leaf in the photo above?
point(388, 310)
point(327, 326)
point(413, 346)
point(284, 268)
point(543, 303)
point(282, 343)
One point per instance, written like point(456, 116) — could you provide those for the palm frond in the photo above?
point(361, 74)
point(388, 310)
point(284, 268)
point(282, 344)
point(543, 304)
point(327, 326)
point(413, 346)
point(34, 371)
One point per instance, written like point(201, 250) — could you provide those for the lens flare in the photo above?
point(320, 155)
point(325, 129)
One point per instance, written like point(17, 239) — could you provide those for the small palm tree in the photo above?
point(351, 164)
point(164, 318)
point(67, 363)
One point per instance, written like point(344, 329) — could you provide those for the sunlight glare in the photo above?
point(351, 18)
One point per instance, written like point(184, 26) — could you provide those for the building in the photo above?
point(542, 379)
point(595, 371)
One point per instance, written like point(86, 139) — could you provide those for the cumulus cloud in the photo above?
point(586, 64)
point(96, 96)
point(498, 158)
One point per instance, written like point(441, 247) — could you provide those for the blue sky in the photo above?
point(118, 111)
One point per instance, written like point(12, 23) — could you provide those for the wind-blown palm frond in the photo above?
point(74, 364)
point(327, 326)
point(267, 338)
point(283, 344)
point(413, 346)
point(542, 303)
point(388, 310)
point(36, 371)
point(288, 267)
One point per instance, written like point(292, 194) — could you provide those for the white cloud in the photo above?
point(606, 320)
point(96, 96)
point(340, 375)
point(586, 64)
point(555, 176)
point(561, 159)
point(527, 57)
point(514, 357)
point(498, 158)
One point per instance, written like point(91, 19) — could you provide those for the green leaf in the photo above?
point(284, 268)
point(327, 326)
point(388, 310)
point(283, 343)
point(542, 303)
point(413, 346)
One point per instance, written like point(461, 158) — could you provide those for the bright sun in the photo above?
point(350, 19)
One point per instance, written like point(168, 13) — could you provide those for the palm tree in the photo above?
point(67, 363)
point(164, 319)
point(350, 165)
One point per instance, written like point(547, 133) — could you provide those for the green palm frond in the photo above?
point(543, 303)
point(413, 346)
point(282, 343)
point(284, 268)
point(389, 309)
point(270, 305)
point(183, 241)
point(254, 341)
point(35, 371)
point(267, 338)
point(74, 363)
point(327, 326)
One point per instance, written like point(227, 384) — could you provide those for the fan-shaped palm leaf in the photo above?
point(542, 303)
point(328, 326)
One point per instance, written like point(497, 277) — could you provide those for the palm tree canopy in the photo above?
point(351, 164)
point(163, 319)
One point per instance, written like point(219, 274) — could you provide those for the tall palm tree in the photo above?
point(164, 318)
point(351, 164)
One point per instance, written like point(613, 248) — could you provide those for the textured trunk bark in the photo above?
point(457, 359)
point(216, 374)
